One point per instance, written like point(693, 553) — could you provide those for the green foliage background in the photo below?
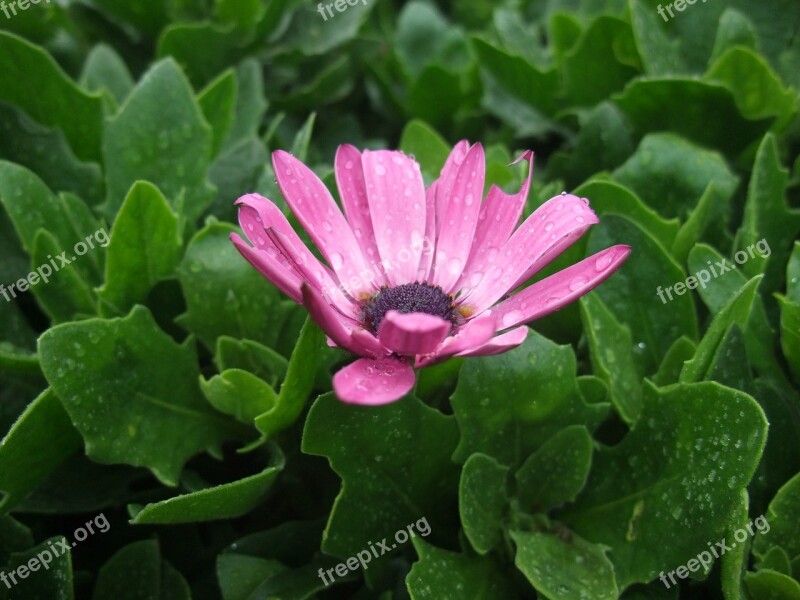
point(161, 381)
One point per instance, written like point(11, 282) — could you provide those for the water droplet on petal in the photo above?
point(549, 226)
point(380, 170)
point(511, 318)
point(336, 261)
point(601, 264)
point(577, 283)
point(454, 265)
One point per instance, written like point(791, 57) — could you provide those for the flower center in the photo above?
point(408, 298)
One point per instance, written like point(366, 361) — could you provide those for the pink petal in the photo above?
point(499, 216)
point(429, 243)
point(372, 382)
point(412, 333)
point(474, 334)
point(258, 216)
point(554, 226)
point(353, 193)
point(397, 206)
point(447, 178)
point(339, 329)
point(313, 272)
point(315, 208)
point(458, 229)
point(500, 343)
point(551, 293)
point(283, 276)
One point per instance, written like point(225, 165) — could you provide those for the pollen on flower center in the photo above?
point(408, 298)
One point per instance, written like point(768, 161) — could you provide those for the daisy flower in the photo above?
point(414, 275)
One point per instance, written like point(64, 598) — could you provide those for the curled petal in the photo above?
point(412, 333)
point(281, 274)
point(373, 382)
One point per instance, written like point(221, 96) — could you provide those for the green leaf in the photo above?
point(610, 198)
point(771, 585)
point(790, 333)
point(137, 572)
point(508, 405)
point(250, 101)
point(47, 153)
point(758, 91)
point(36, 445)
point(611, 348)
point(633, 291)
point(298, 383)
point(564, 570)
point(104, 69)
point(696, 442)
point(767, 217)
point(313, 33)
point(225, 501)
point(32, 206)
point(443, 575)
point(239, 394)
point(250, 356)
point(160, 136)
point(239, 575)
point(393, 459)
point(57, 102)
point(782, 517)
point(706, 113)
point(557, 471)
point(132, 392)
point(737, 310)
point(51, 583)
point(65, 294)
point(671, 174)
point(604, 47)
point(224, 294)
point(733, 563)
point(682, 349)
point(692, 230)
point(426, 145)
point(145, 247)
point(482, 501)
point(218, 103)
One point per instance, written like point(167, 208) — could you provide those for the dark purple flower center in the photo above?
point(408, 298)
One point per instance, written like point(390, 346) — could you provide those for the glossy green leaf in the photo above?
point(58, 101)
point(224, 294)
point(132, 393)
point(525, 395)
point(144, 248)
point(53, 583)
point(394, 459)
point(557, 471)
point(782, 517)
point(137, 572)
point(697, 442)
point(297, 385)
point(611, 348)
point(160, 136)
point(224, 501)
point(482, 501)
point(443, 575)
point(37, 444)
point(563, 570)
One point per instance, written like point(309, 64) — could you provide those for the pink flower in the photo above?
point(414, 276)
